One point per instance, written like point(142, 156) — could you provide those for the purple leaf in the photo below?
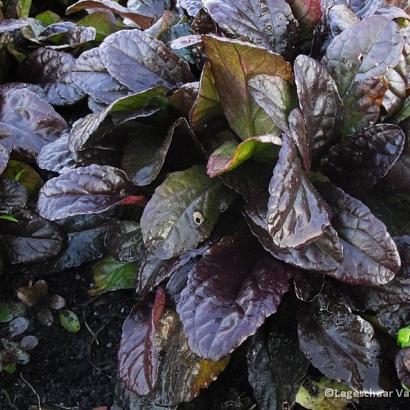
point(27, 123)
point(137, 357)
point(296, 214)
point(364, 158)
point(87, 190)
point(370, 254)
point(229, 294)
point(140, 62)
point(340, 344)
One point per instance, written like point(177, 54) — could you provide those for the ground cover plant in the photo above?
point(225, 184)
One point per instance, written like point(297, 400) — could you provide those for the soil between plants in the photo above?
point(78, 371)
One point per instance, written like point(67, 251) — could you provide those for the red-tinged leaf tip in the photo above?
point(159, 305)
point(134, 200)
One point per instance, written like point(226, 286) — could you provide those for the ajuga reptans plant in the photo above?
point(245, 164)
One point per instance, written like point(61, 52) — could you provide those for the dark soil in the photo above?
point(70, 371)
point(78, 371)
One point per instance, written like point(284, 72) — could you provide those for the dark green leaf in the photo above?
point(182, 212)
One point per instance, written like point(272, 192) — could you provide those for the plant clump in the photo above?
point(243, 165)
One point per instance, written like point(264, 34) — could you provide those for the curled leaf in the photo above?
point(319, 101)
point(109, 5)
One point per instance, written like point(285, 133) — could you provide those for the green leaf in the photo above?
point(69, 321)
point(110, 274)
point(183, 212)
point(9, 218)
point(10, 310)
point(25, 175)
point(230, 155)
point(233, 63)
point(48, 17)
point(101, 22)
point(274, 95)
point(207, 107)
point(10, 368)
point(321, 395)
point(24, 8)
point(403, 337)
point(403, 113)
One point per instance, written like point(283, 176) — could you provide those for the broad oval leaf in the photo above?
point(66, 35)
point(139, 61)
point(27, 123)
point(31, 239)
point(296, 214)
point(393, 293)
point(340, 344)
point(268, 23)
point(233, 63)
point(370, 254)
point(56, 156)
point(357, 59)
point(339, 18)
point(154, 8)
point(319, 101)
point(52, 70)
point(87, 190)
point(352, 57)
point(229, 294)
point(182, 212)
point(83, 246)
point(90, 75)
point(364, 158)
